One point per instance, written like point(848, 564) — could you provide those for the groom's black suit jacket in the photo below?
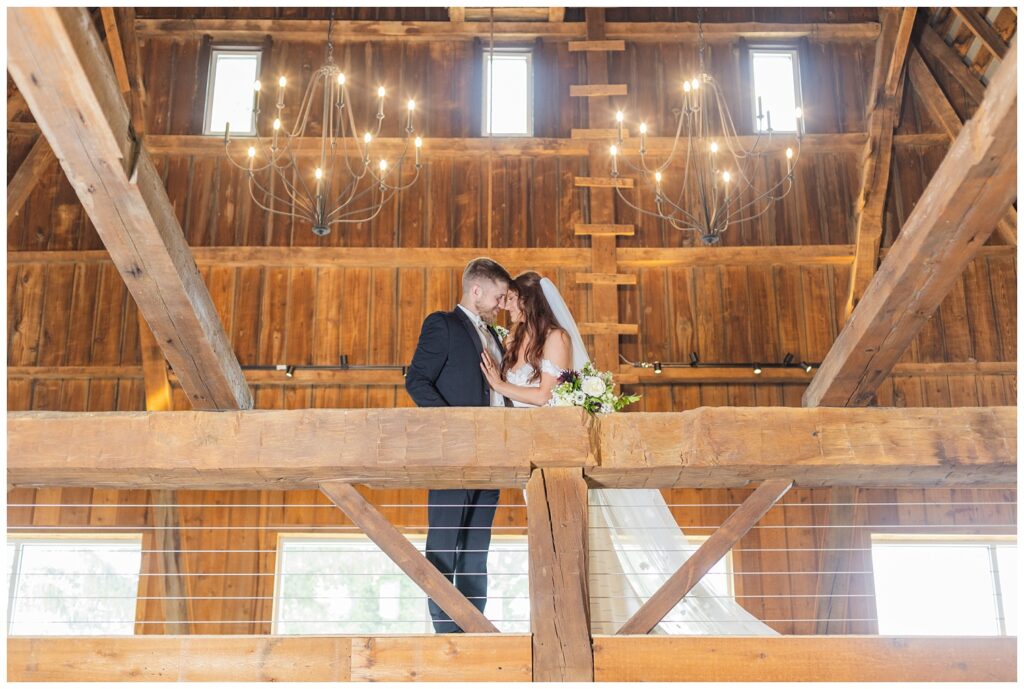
point(445, 370)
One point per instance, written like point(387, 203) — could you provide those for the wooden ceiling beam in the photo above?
point(983, 30)
point(29, 173)
point(504, 31)
point(934, 48)
point(941, 110)
point(957, 212)
point(890, 54)
point(57, 60)
point(490, 448)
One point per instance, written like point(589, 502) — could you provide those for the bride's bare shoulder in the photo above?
point(557, 337)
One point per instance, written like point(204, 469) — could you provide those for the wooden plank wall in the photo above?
point(81, 315)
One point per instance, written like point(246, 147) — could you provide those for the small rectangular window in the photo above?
point(945, 585)
point(230, 96)
point(345, 584)
point(775, 76)
point(77, 586)
point(508, 92)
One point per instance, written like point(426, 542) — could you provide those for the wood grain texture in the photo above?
point(957, 212)
point(123, 195)
point(28, 175)
point(711, 446)
point(408, 558)
point(983, 30)
point(206, 658)
point(654, 609)
point(803, 659)
point(556, 502)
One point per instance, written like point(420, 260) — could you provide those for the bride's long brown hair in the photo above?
point(538, 322)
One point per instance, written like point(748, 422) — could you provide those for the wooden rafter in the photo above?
point(933, 47)
point(39, 157)
point(488, 448)
point(119, 24)
point(556, 14)
point(556, 507)
point(983, 30)
point(407, 557)
point(941, 110)
point(57, 60)
point(711, 551)
point(890, 52)
point(957, 212)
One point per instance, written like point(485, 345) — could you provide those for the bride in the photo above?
point(635, 542)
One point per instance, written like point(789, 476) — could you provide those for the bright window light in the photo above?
point(945, 587)
point(341, 584)
point(775, 74)
point(73, 586)
point(230, 95)
point(508, 92)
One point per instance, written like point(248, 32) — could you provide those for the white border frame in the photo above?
point(211, 79)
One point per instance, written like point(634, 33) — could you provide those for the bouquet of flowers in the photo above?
point(590, 389)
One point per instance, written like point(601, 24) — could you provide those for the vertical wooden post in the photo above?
point(166, 537)
point(556, 509)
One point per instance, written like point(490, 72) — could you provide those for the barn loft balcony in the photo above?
point(216, 470)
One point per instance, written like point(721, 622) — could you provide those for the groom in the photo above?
point(445, 372)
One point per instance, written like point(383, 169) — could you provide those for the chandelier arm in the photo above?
point(379, 205)
point(272, 196)
point(353, 196)
point(768, 193)
point(693, 219)
point(647, 212)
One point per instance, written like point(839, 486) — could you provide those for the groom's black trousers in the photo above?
point(457, 543)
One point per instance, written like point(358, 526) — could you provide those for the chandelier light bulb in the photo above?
point(383, 165)
point(256, 86)
point(789, 154)
point(643, 127)
point(341, 79)
point(714, 147)
point(614, 150)
point(619, 116)
point(318, 173)
point(412, 105)
point(380, 92)
point(367, 138)
point(282, 82)
point(695, 83)
point(419, 142)
point(657, 177)
point(726, 177)
point(252, 152)
point(686, 87)
point(799, 112)
point(277, 124)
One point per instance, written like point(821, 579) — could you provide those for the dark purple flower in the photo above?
point(569, 376)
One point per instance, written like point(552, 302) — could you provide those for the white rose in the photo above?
point(593, 386)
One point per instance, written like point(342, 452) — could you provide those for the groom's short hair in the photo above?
point(484, 269)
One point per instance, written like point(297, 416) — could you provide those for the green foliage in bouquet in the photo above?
point(590, 389)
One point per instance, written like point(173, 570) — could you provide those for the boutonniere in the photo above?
point(502, 332)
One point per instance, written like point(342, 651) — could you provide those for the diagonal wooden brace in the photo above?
point(407, 557)
point(700, 563)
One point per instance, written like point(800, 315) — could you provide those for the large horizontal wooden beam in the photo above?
point(244, 658)
point(804, 659)
point(473, 147)
point(507, 658)
point(456, 259)
point(504, 31)
point(56, 59)
point(705, 447)
point(955, 215)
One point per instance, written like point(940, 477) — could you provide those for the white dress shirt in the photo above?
point(490, 345)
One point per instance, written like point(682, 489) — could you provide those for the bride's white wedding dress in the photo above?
point(635, 542)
